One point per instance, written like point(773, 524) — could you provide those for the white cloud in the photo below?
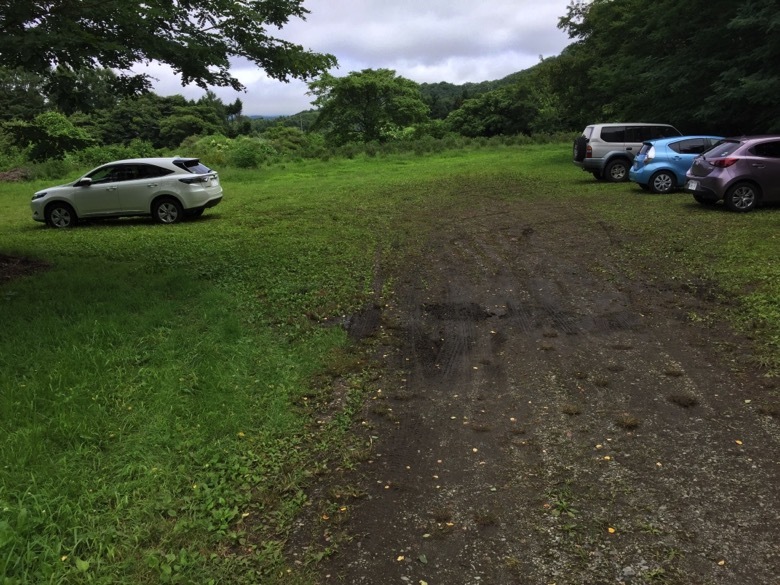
point(457, 41)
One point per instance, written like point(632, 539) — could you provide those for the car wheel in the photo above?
point(617, 171)
point(663, 182)
point(60, 215)
point(167, 210)
point(580, 144)
point(703, 200)
point(742, 197)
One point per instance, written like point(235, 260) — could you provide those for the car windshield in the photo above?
point(192, 165)
point(645, 147)
point(723, 149)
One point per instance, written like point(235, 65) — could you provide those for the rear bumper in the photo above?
point(700, 189)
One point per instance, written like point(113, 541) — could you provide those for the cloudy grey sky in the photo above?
point(457, 41)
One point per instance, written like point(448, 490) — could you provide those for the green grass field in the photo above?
point(158, 384)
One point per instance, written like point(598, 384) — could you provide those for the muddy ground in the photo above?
point(545, 418)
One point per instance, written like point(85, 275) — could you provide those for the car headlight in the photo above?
point(39, 195)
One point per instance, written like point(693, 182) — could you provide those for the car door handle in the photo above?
point(757, 166)
point(150, 185)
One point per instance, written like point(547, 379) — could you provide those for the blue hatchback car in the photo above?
point(661, 164)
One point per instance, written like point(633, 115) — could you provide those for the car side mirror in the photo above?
point(85, 182)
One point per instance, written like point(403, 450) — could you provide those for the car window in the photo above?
point(146, 171)
point(588, 132)
point(614, 134)
point(767, 149)
point(638, 134)
point(664, 131)
point(192, 165)
point(645, 147)
point(723, 149)
point(108, 174)
point(690, 146)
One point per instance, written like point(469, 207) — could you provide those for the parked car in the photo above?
point(167, 189)
point(660, 165)
point(607, 150)
point(743, 172)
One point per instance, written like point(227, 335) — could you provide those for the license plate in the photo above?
point(692, 185)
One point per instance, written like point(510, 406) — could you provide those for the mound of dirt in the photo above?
point(12, 267)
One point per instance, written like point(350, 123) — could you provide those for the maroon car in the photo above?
point(744, 172)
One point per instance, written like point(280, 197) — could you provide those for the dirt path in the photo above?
point(547, 420)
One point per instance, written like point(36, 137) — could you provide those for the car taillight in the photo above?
point(723, 162)
point(589, 151)
point(193, 180)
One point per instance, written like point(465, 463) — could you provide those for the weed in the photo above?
point(485, 518)
point(561, 501)
point(684, 400)
point(627, 422)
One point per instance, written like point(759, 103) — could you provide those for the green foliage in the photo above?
point(627, 62)
point(94, 156)
point(182, 123)
point(196, 39)
point(84, 91)
point(21, 95)
point(50, 136)
point(247, 153)
point(366, 106)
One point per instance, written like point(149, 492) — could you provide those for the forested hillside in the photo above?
point(702, 66)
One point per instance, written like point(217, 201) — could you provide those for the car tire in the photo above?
point(167, 210)
point(60, 215)
point(742, 197)
point(703, 200)
point(580, 146)
point(597, 175)
point(617, 171)
point(663, 182)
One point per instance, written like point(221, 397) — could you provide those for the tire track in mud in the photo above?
point(534, 437)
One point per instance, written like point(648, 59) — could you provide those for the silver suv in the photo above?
point(607, 150)
point(166, 189)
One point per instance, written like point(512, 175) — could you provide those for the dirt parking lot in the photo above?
point(546, 416)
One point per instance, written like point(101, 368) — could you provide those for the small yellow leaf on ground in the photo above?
point(721, 563)
point(611, 530)
point(738, 442)
point(400, 558)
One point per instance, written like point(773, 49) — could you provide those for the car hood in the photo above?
point(55, 188)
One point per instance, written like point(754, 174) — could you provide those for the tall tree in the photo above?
point(367, 105)
point(195, 37)
point(21, 95)
point(702, 65)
